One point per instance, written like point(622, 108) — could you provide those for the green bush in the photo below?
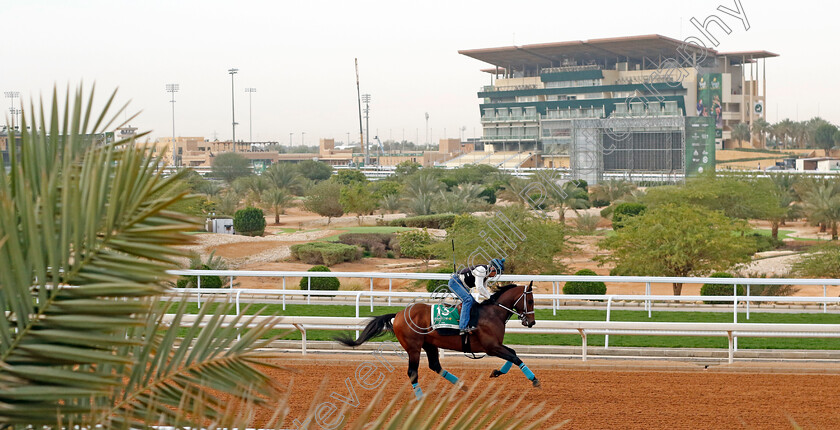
point(322, 284)
point(212, 263)
point(720, 289)
point(765, 243)
point(326, 253)
point(376, 244)
point(597, 203)
point(489, 194)
point(249, 222)
point(625, 211)
point(438, 221)
point(579, 287)
point(433, 285)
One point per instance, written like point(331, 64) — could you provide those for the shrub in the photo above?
point(586, 222)
point(433, 285)
point(438, 221)
point(377, 244)
point(326, 253)
point(581, 287)
point(765, 243)
point(769, 290)
point(417, 244)
point(212, 263)
point(489, 194)
point(625, 211)
point(720, 289)
point(249, 221)
point(390, 254)
point(322, 284)
point(598, 203)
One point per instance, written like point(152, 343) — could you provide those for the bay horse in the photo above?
point(487, 338)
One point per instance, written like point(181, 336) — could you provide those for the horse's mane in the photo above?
point(496, 295)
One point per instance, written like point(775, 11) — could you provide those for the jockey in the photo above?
point(473, 277)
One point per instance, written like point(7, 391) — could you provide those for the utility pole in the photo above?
point(366, 101)
point(250, 115)
point(359, 99)
point(232, 107)
point(176, 155)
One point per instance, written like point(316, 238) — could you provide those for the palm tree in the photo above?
point(514, 189)
point(741, 131)
point(464, 198)
point(421, 191)
point(761, 128)
point(285, 176)
point(611, 190)
point(571, 197)
point(390, 203)
point(822, 205)
point(783, 130)
point(276, 199)
point(86, 227)
point(251, 187)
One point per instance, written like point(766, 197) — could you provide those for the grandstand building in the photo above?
point(627, 106)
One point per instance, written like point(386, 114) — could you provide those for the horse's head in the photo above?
point(519, 300)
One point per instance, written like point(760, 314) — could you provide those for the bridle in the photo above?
point(512, 310)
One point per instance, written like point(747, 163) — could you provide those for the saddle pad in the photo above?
point(444, 317)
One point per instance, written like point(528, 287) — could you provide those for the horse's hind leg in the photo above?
point(509, 354)
point(499, 372)
point(434, 363)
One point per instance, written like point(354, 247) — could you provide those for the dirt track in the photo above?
point(627, 395)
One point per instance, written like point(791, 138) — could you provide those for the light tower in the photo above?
point(173, 88)
point(232, 107)
point(427, 128)
point(366, 101)
point(250, 116)
point(12, 95)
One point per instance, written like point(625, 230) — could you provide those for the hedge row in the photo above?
point(326, 253)
point(438, 221)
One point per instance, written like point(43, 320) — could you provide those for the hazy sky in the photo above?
point(299, 57)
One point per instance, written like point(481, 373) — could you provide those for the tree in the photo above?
point(736, 197)
point(571, 197)
point(285, 176)
point(87, 228)
point(824, 137)
point(276, 199)
point(228, 166)
point(820, 262)
point(761, 128)
point(323, 199)
point(421, 191)
point(315, 170)
point(417, 244)
point(531, 248)
point(461, 199)
point(822, 205)
point(358, 199)
point(407, 168)
point(611, 190)
point(672, 240)
point(251, 187)
point(390, 203)
point(741, 131)
point(347, 177)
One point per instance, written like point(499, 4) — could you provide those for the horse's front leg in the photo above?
point(509, 354)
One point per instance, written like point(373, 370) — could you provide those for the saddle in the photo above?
point(445, 318)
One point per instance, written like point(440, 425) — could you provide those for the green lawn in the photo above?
point(599, 315)
point(377, 229)
point(783, 234)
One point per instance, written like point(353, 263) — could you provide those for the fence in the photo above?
point(554, 298)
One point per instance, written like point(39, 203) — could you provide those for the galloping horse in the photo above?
point(493, 313)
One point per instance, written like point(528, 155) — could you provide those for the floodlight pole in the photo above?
point(366, 101)
point(250, 115)
point(12, 95)
point(232, 107)
point(173, 88)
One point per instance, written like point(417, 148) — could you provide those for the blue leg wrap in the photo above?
point(417, 391)
point(528, 373)
point(505, 367)
point(449, 377)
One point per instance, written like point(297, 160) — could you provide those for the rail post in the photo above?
point(735, 311)
point(731, 346)
point(748, 300)
point(371, 294)
point(358, 297)
point(198, 294)
point(390, 282)
point(825, 303)
point(555, 301)
point(583, 343)
point(302, 337)
point(231, 282)
point(647, 297)
point(238, 292)
point(308, 289)
point(607, 336)
point(284, 293)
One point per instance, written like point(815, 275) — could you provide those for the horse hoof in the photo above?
point(496, 374)
point(536, 383)
point(463, 388)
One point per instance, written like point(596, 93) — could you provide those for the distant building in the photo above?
point(641, 104)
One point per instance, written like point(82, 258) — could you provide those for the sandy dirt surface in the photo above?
point(658, 395)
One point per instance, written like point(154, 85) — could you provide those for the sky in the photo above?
point(300, 57)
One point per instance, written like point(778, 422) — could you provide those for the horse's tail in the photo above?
point(378, 326)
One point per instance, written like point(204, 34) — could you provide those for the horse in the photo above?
point(487, 338)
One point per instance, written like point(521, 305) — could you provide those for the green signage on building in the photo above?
point(709, 96)
point(699, 145)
